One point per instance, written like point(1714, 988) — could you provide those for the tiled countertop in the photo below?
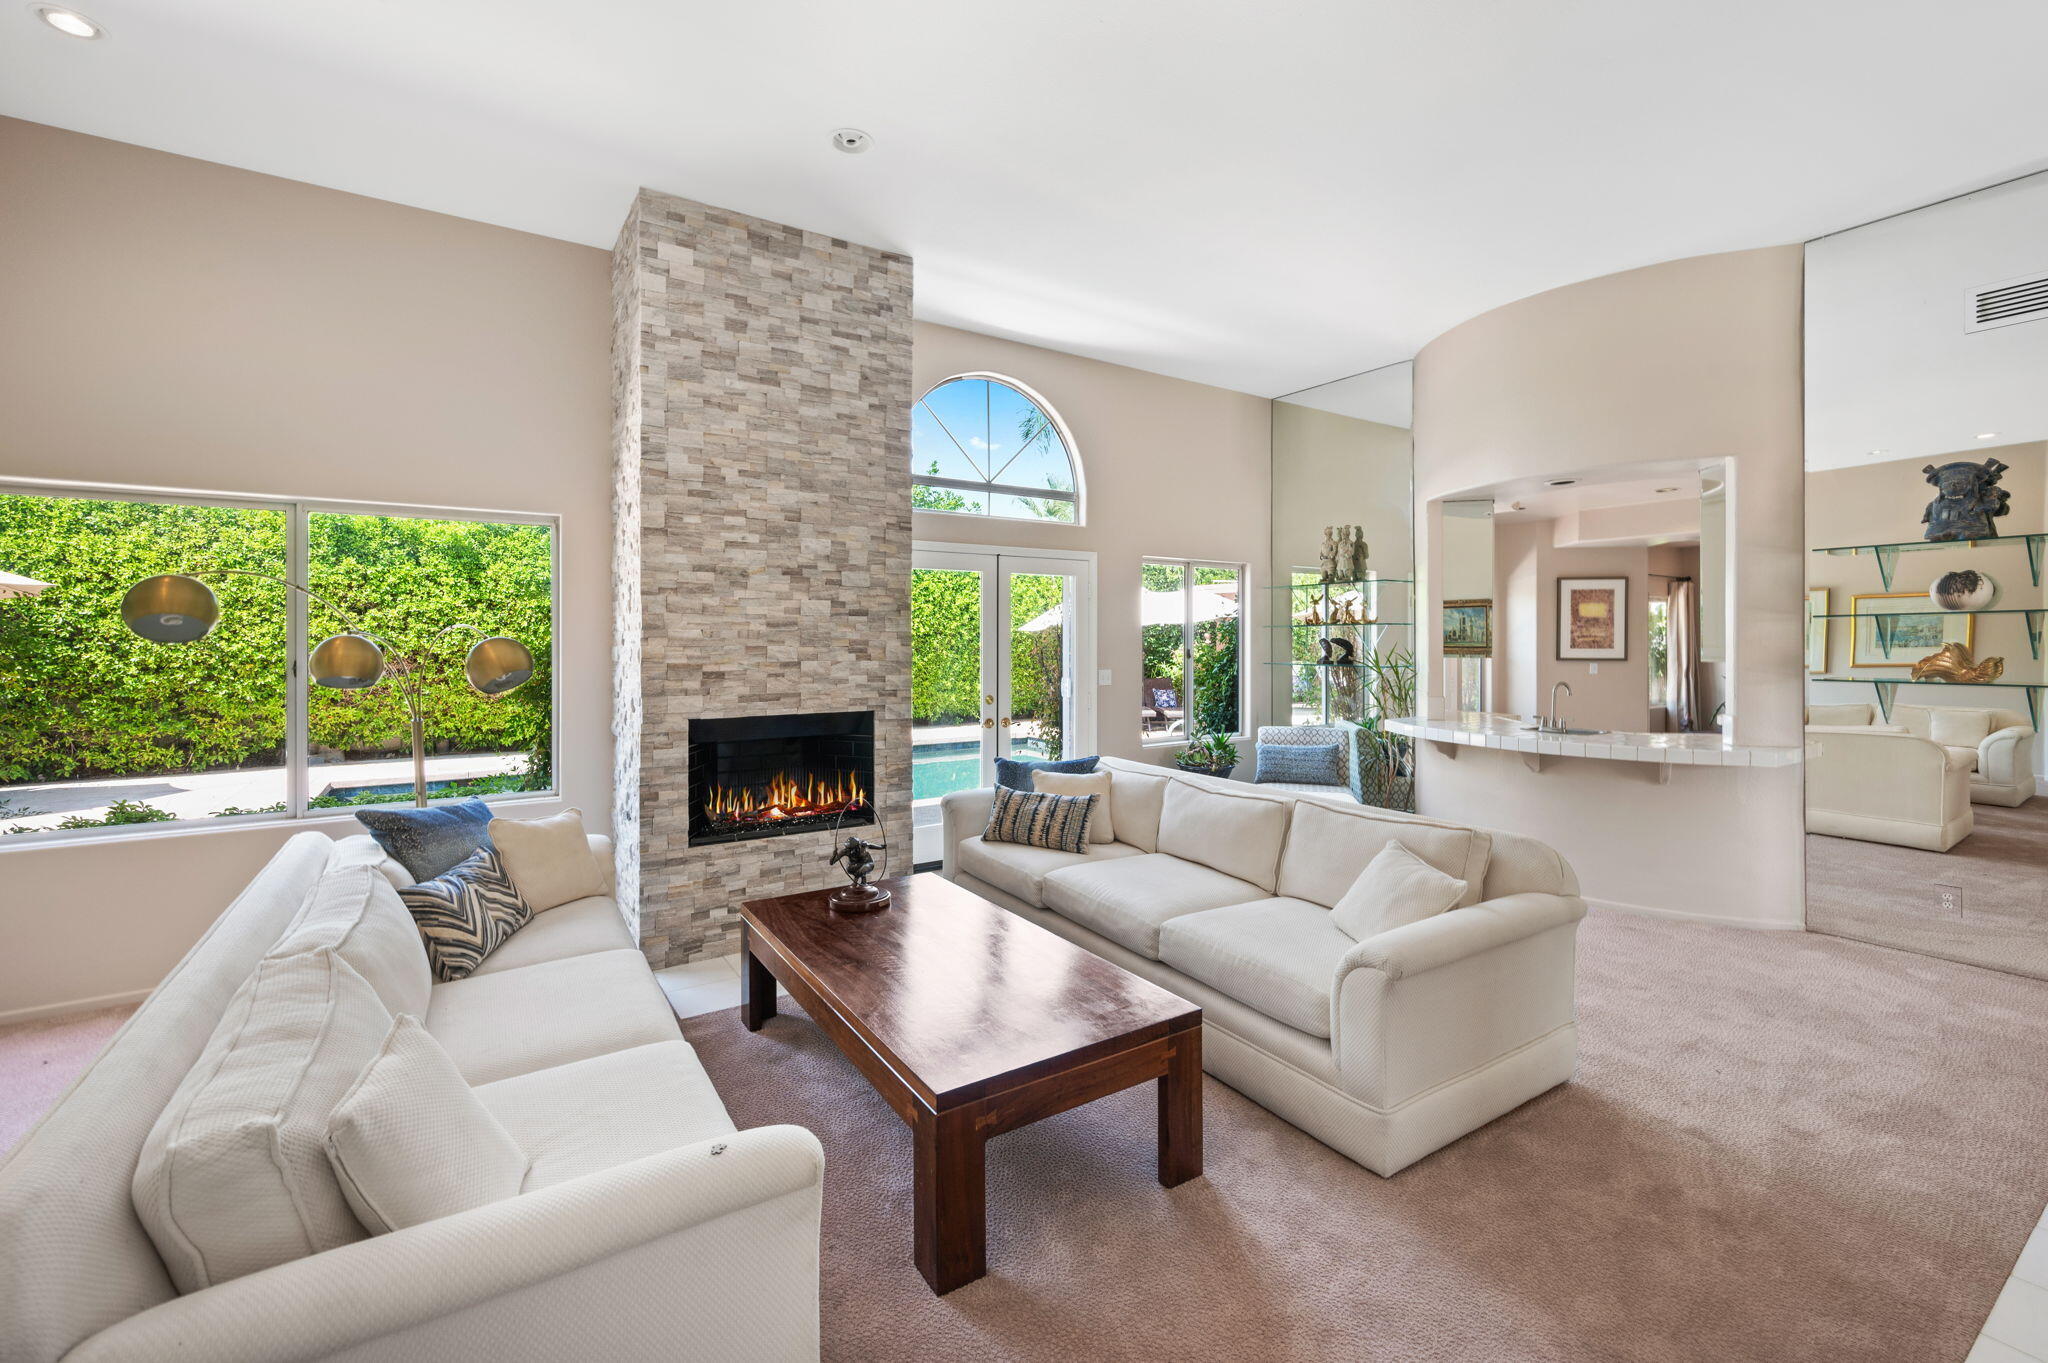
point(1512, 735)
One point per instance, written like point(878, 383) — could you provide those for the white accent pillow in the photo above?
point(1953, 728)
point(1395, 889)
point(1138, 800)
point(356, 911)
point(233, 1178)
point(548, 860)
point(1101, 823)
point(411, 1142)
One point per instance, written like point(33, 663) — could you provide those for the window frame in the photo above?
point(1078, 498)
point(298, 513)
point(1187, 643)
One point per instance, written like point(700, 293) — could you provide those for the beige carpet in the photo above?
point(1875, 892)
point(1779, 1146)
point(38, 1061)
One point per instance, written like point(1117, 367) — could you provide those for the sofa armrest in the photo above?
point(601, 848)
point(964, 814)
point(2005, 754)
point(723, 1233)
point(1447, 937)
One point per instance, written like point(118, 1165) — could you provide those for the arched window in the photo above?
point(983, 445)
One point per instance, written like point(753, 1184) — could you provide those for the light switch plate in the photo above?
point(1102, 677)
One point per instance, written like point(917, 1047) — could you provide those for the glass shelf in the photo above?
point(1349, 664)
point(1874, 615)
point(1340, 624)
point(1882, 622)
point(1318, 586)
point(1887, 688)
point(1888, 554)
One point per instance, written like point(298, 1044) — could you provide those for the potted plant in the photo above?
point(1208, 755)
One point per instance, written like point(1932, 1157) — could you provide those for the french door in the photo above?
point(998, 643)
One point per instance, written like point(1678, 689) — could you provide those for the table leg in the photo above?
point(757, 984)
point(1180, 1110)
point(951, 1236)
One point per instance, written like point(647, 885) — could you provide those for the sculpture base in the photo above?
point(858, 899)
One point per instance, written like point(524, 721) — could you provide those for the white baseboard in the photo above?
point(58, 1010)
point(1687, 915)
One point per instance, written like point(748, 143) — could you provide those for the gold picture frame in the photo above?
point(1817, 623)
point(1468, 628)
point(1915, 633)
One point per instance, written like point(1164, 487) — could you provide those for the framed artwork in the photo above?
point(1468, 629)
point(1592, 619)
point(1817, 630)
point(1902, 640)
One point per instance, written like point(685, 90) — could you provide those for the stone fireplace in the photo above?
point(761, 572)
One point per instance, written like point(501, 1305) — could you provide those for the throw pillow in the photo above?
point(1037, 819)
point(355, 910)
point(1313, 764)
point(233, 1178)
point(411, 1142)
point(1395, 888)
point(1164, 698)
point(1957, 728)
point(1015, 772)
point(427, 842)
point(466, 914)
point(549, 860)
point(1101, 824)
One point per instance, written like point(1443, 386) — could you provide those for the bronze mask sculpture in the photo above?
point(1968, 497)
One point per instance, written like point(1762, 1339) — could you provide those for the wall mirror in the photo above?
point(1926, 503)
point(1590, 601)
point(1341, 621)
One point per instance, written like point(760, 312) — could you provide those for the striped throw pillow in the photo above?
point(466, 913)
point(1041, 819)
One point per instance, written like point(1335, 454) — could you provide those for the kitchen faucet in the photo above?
point(1556, 725)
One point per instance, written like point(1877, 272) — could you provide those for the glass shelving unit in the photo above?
point(1340, 687)
point(1888, 554)
point(1881, 621)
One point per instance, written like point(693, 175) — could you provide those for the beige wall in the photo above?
point(177, 324)
point(1171, 469)
point(1691, 359)
point(1613, 694)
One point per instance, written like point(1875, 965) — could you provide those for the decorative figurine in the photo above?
point(1965, 589)
point(1331, 554)
point(1954, 664)
point(1346, 655)
point(1969, 496)
point(858, 896)
point(1345, 553)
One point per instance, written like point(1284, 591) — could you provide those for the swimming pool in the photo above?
point(940, 768)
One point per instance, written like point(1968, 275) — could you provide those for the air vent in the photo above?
point(2009, 301)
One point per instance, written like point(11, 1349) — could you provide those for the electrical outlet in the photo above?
point(1948, 900)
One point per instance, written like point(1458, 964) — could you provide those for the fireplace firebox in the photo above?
point(768, 776)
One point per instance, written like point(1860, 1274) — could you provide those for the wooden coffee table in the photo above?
point(970, 1022)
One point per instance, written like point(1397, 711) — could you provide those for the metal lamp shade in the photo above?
point(497, 665)
point(171, 609)
point(347, 662)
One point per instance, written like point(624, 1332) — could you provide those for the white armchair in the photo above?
point(1996, 745)
point(1343, 734)
point(1886, 787)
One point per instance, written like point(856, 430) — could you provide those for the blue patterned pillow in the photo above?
point(1015, 772)
point(427, 842)
point(1040, 819)
point(466, 914)
point(1301, 764)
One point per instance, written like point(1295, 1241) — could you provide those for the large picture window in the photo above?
point(1191, 621)
point(981, 445)
point(100, 728)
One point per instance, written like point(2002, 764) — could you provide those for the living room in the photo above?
point(542, 614)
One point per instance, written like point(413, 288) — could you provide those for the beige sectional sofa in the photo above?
point(647, 1227)
point(1996, 747)
point(1882, 784)
point(1384, 1049)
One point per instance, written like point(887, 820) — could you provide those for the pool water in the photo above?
point(941, 768)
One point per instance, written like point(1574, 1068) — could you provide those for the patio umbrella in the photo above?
point(15, 585)
point(1213, 601)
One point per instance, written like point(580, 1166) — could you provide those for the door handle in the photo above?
point(988, 700)
point(988, 724)
point(1006, 721)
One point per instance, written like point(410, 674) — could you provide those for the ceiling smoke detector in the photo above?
point(852, 141)
point(69, 22)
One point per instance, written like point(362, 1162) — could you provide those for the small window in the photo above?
point(1660, 651)
point(1191, 619)
point(986, 446)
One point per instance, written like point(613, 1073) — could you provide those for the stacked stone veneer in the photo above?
point(762, 384)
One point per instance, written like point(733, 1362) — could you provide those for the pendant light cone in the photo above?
point(170, 609)
point(347, 662)
point(497, 665)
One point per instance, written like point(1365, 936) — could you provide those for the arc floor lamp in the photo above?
point(177, 608)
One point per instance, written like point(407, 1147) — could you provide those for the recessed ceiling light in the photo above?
point(851, 140)
point(69, 22)
point(1987, 435)
point(1561, 482)
point(1880, 451)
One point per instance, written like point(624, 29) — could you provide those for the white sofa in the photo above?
point(1383, 1049)
point(1995, 746)
point(1882, 784)
point(648, 1227)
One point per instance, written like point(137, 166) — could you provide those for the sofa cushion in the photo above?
point(427, 842)
point(1040, 819)
point(355, 911)
point(1102, 818)
point(1020, 870)
point(573, 929)
point(608, 1110)
point(1329, 846)
point(1954, 727)
point(518, 1021)
point(1126, 900)
point(1137, 799)
point(1239, 835)
point(234, 1178)
point(410, 1143)
point(1396, 888)
point(1837, 715)
point(1279, 956)
point(549, 860)
point(466, 913)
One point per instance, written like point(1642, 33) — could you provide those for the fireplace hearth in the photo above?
point(773, 775)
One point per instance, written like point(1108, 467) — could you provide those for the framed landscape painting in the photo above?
point(1592, 619)
point(1902, 640)
point(1468, 629)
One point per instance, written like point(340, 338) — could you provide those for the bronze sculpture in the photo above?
point(1969, 496)
point(858, 896)
point(1953, 663)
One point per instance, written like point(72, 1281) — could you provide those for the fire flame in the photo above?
point(785, 798)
